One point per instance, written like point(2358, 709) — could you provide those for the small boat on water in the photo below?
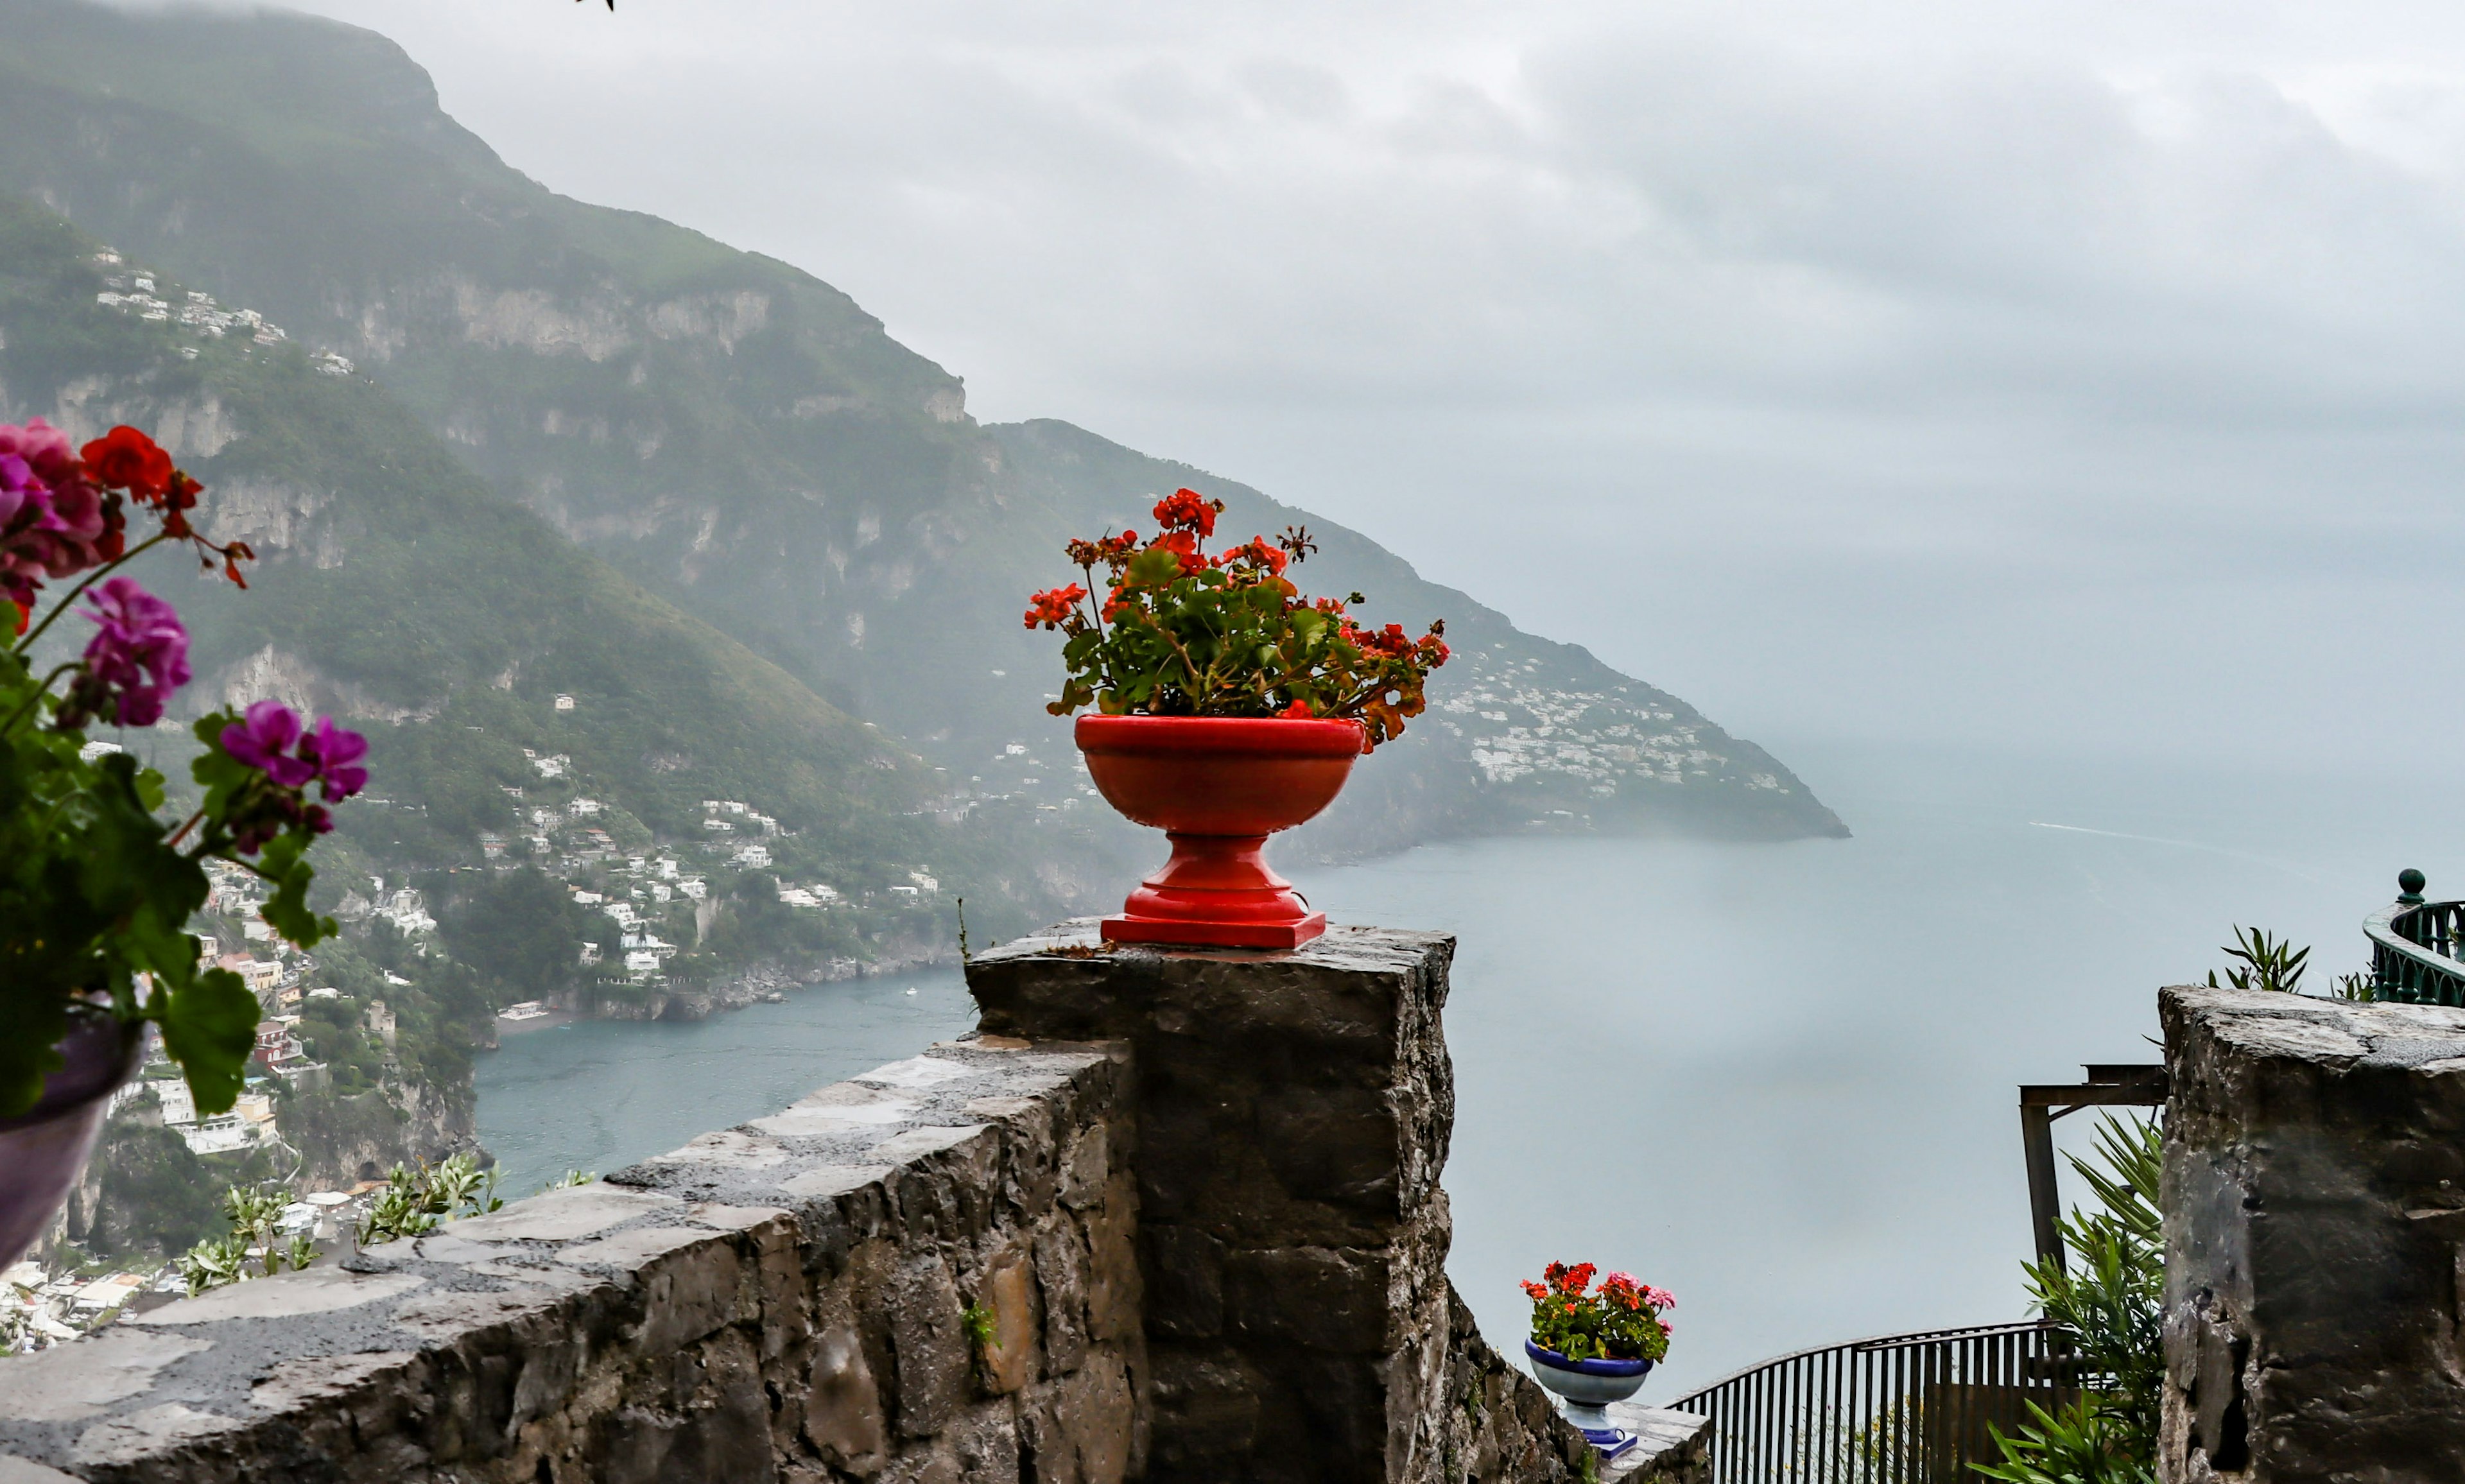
point(526, 1010)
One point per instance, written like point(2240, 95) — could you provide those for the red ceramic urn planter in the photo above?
point(1217, 787)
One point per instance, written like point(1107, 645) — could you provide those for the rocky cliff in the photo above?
point(746, 440)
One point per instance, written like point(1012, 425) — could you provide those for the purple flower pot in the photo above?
point(44, 1149)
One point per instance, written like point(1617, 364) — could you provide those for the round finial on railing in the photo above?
point(2409, 883)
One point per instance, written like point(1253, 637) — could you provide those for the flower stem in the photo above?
point(91, 578)
point(1099, 608)
point(36, 699)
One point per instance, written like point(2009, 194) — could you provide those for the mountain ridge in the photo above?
point(746, 440)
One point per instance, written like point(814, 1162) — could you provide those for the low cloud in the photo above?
point(2075, 377)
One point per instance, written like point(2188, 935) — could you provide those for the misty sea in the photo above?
point(1778, 1081)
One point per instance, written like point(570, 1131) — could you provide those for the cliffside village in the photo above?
point(567, 834)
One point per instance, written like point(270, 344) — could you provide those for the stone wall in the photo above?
point(1294, 1110)
point(923, 1274)
point(1169, 1216)
point(2315, 1216)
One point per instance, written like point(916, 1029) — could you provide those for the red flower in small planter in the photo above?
point(1618, 1321)
point(1182, 655)
point(1178, 632)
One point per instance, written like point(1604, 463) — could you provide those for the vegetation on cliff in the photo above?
point(745, 441)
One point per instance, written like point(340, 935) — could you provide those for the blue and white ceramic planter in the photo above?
point(1588, 1386)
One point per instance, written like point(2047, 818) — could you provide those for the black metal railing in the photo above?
point(1896, 1409)
point(2414, 946)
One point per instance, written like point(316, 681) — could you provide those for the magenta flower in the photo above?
point(138, 656)
point(52, 519)
point(262, 740)
point(334, 752)
point(45, 450)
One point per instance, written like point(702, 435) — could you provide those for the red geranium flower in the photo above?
point(126, 459)
point(1184, 545)
point(1191, 637)
point(1187, 510)
point(1050, 608)
point(1257, 553)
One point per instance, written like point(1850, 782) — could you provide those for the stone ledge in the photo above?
point(1293, 1110)
point(1671, 1445)
point(634, 1325)
point(2314, 1203)
point(1337, 988)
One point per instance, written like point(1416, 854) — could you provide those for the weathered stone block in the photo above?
point(928, 1339)
point(1082, 1429)
point(985, 1446)
point(1114, 1286)
point(1335, 1143)
point(2315, 1217)
point(1207, 1406)
point(1088, 1169)
point(774, 1302)
point(843, 1412)
point(1313, 1297)
point(1184, 1282)
point(85, 1379)
point(1293, 1111)
point(1009, 1295)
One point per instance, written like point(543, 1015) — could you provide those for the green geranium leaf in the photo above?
point(1238, 641)
point(1155, 565)
point(287, 909)
point(210, 1029)
point(31, 1028)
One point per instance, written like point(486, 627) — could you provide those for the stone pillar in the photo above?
point(1293, 1111)
point(2315, 1240)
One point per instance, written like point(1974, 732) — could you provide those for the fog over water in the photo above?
point(1777, 1080)
point(2037, 425)
point(2075, 378)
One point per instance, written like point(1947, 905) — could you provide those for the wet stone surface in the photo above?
point(2314, 1222)
point(1292, 1115)
point(1170, 1215)
point(787, 1300)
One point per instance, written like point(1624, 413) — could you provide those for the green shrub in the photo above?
point(2110, 1296)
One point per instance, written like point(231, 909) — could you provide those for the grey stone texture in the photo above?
point(1671, 1447)
point(1293, 1114)
point(1169, 1216)
point(786, 1305)
point(2315, 1215)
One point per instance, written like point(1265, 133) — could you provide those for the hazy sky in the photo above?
point(2064, 375)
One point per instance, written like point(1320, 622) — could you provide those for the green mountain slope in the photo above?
point(745, 441)
point(548, 739)
point(398, 588)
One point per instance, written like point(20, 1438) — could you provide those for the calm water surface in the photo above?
point(1777, 1080)
point(599, 1095)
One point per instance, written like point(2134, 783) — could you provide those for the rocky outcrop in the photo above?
point(2315, 1232)
point(752, 442)
point(342, 1138)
